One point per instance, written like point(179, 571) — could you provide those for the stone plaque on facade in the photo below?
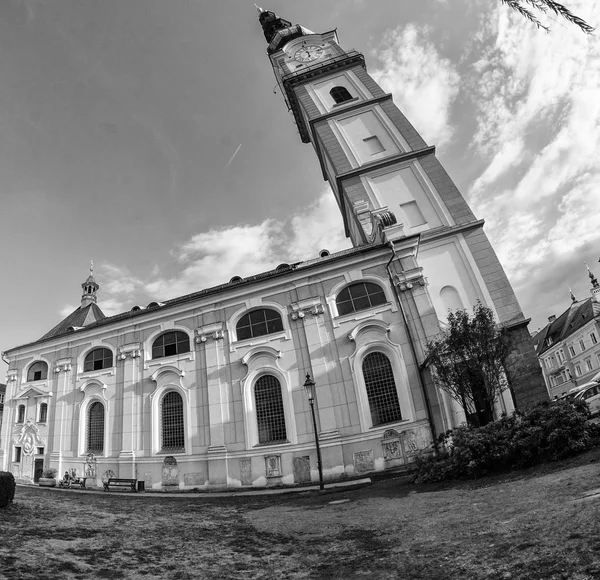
point(148, 479)
point(193, 478)
point(390, 443)
point(170, 471)
point(363, 461)
point(273, 465)
point(302, 469)
point(246, 471)
point(416, 440)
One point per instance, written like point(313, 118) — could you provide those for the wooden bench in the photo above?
point(120, 482)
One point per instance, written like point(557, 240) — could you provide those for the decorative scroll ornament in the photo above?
point(62, 367)
point(377, 222)
point(300, 313)
point(29, 438)
point(405, 285)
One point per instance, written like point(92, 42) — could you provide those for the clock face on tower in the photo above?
point(308, 53)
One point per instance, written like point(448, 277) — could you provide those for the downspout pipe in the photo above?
point(412, 347)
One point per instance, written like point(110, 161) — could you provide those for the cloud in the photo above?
point(423, 83)
point(537, 143)
point(214, 257)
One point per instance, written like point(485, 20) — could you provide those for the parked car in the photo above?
point(591, 395)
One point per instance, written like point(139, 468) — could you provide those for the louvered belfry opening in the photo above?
point(172, 429)
point(381, 389)
point(95, 430)
point(270, 415)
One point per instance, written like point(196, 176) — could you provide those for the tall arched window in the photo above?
point(21, 414)
point(170, 344)
point(38, 371)
point(381, 389)
point(43, 412)
point(270, 415)
point(258, 323)
point(359, 296)
point(98, 359)
point(95, 428)
point(340, 95)
point(172, 429)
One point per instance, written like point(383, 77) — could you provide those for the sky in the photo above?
point(148, 136)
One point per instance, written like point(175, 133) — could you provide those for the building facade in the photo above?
point(207, 389)
point(568, 347)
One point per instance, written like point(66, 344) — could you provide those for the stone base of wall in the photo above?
point(523, 369)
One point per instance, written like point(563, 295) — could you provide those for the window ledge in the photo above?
point(169, 360)
point(264, 339)
point(95, 374)
point(273, 444)
point(352, 100)
point(178, 452)
point(362, 314)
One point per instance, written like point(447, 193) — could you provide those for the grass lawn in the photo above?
point(526, 525)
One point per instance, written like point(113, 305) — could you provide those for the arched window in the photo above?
point(98, 359)
point(170, 343)
point(21, 415)
point(95, 428)
point(359, 296)
point(381, 389)
point(171, 415)
point(270, 416)
point(38, 371)
point(258, 323)
point(43, 412)
point(340, 95)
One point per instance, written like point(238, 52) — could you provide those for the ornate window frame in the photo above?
point(169, 378)
point(37, 358)
point(172, 359)
point(359, 314)
point(261, 361)
point(259, 340)
point(109, 371)
point(373, 336)
point(93, 391)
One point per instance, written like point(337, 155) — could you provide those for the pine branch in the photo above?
point(563, 11)
point(543, 6)
point(514, 4)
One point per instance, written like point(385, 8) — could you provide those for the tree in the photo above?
point(543, 6)
point(467, 361)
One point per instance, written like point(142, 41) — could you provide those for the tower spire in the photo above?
point(90, 287)
point(573, 298)
point(592, 277)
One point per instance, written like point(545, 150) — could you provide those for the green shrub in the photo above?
point(7, 488)
point(546, 432)
point(50, 472)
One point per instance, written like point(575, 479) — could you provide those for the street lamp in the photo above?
point(309, 386)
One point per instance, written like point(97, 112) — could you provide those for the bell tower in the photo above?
point(390, 186)
point(90, 287)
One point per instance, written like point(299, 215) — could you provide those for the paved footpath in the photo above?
point(183, 494)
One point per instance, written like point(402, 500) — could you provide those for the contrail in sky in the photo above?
point(232, 157)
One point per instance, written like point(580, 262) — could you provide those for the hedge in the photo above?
point(7, 488)
point(547, 432)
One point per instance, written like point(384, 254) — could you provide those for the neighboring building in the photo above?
point(568, 347)
point(207, 389)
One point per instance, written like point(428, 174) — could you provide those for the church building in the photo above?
point(206, 390)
